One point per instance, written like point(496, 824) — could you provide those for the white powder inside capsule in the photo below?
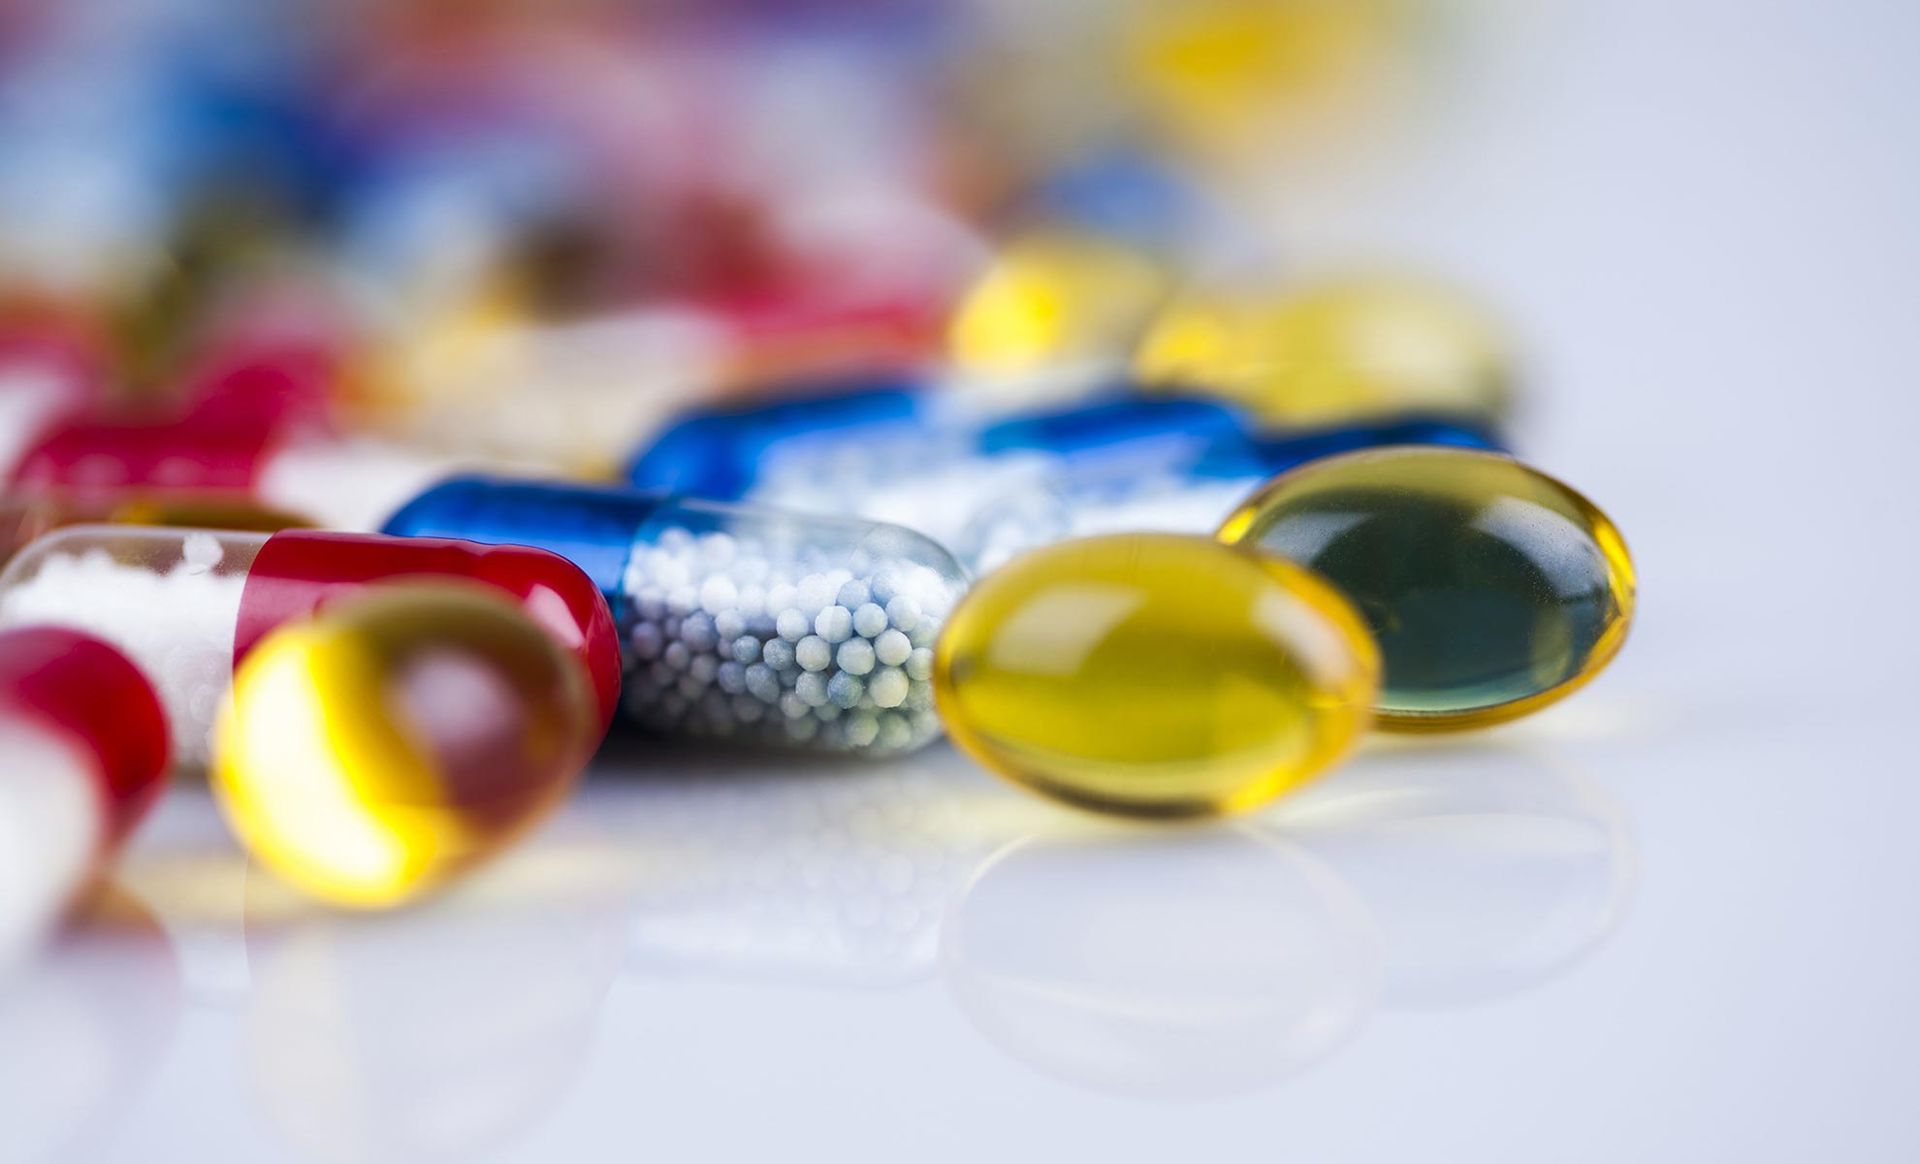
point(177, 625)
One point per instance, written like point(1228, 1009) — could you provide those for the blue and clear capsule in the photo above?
point(909, 456)
point(736, 621)
point(1190, 496)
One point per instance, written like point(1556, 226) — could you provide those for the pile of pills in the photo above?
point(829, 360)
point(759, 638)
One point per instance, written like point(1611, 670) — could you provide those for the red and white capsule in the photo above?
point(83, 756)
point(188, 604)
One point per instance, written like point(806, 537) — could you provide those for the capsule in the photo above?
point(1174, 497)
point(83, 744)
point(737, 621)
point(23, 520)
point(1346, 351)
point(234, 451)
point(909, 456)
point(189, 604)
point(1055, 305)
point(1156, 675)
point(1493, 589)
point(403, 737)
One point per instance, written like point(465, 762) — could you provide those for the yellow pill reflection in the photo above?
point(1336, 353)
point(1154, 675)
point(405, 736)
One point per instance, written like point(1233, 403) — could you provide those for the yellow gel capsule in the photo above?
point(402, 737)
point(1154, 675)
point(1054, 300)
point(1333, 354)
point(1492, 589)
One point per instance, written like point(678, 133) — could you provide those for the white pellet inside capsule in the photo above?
point(821, 631)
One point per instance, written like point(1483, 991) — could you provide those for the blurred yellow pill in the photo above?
point(1333, 353)
point(399, 739)
point(1055, 300)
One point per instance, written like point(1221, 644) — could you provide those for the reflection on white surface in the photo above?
point(1488, 869)
point(1186, 962)
point(438, 1032)
point(828, 877)
point(82, 1030)
point(1215, 960)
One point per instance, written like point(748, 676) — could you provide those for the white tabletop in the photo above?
point(1670, 919)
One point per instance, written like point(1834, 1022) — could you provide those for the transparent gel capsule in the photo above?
point(737, 621)
point(1155, 675)
point(188, 604)
point(1493, 589)
point(910, 456)
point(1341, 352)
point(83, 756)
point(400, 739)
point(1174, 497)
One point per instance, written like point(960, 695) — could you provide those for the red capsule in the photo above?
point(83, 756)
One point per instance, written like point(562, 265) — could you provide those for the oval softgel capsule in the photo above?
point(1492, 589)
point(1154, 675)
point(405, 736)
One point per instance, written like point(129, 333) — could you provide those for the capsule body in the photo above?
point(737, 621)
point(83, 756)
point(916, 459)
point(188, 604)
point(1176, 497)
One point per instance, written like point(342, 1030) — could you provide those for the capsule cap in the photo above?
point(592, 526)
point(93, 694)
point(298, 572)
point(1115, 422)
point(715, 453)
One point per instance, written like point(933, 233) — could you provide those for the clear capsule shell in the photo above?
point(784, 629)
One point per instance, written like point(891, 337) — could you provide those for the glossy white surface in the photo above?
point(1669, 920)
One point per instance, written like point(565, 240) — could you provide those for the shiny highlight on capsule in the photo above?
point(1155, 675)
point(371, 755)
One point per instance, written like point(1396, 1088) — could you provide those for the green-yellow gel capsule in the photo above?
point(1492, 589)
point(1155, 675)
